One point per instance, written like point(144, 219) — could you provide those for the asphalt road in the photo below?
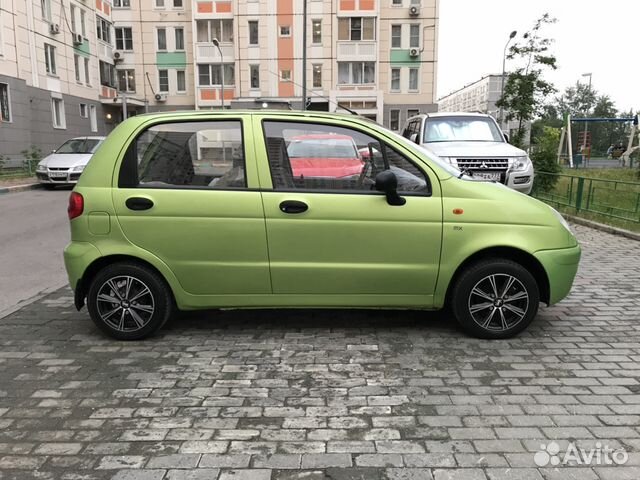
point(33, 232)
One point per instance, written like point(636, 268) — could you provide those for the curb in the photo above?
point(20, 188)
point(602, 227)
point(28, 301)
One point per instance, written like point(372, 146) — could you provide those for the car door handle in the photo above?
point(138, 203)
point(293, 206)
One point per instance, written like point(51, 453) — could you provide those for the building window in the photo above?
point(253, 32)
point(357, 28)
point(220, 29)
point(126, 81)
point(181, 81)
point(414, 36)
point(356, 73)
point(107, 74)
point(209, 75)
point(122, 3)
point(46, 9)
point(161, 33)
point(87, 75)
point(412, 112)
point(396, 2)
point(84, 111)
point(415, 2)
point(5, 104)
point(50, 58)
point(394, 120)
point(395, 79)
point(179, 34)
point(285, 31)
point(413, 79)
point(396, 36)
point(57, 113)
point(124, 38)
point(317, 75)
point(104, 30)
point(93, 118)
point(83, 23)
point(163, 81)
point(76, 67)
point(254, 74)
point(72, 14)
point(285, 75)
point(159, 3)
point(316, 31)
point(177, 4)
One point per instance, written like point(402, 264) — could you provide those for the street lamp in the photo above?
point(504, 64)
point(586, 124)
point(216, 44)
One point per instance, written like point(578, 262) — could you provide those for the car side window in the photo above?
point(318, 157)
point(187, 155)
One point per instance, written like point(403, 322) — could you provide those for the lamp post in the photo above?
point(586, 124)
point(216, 44)
point(304, 54)
point(504, 64)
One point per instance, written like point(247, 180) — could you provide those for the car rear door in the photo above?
point(337, 240)
point(187, 193)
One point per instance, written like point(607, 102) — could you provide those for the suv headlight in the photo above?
point(520, 164)
point(41, 167)
point(78, 168)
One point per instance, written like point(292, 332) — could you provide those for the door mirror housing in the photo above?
point(506, 137)
point(414, 137)
point(387, 182)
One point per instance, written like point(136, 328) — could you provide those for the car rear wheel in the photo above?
point(129, 301)
point(495, 298)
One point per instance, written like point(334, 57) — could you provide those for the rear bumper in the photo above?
point(561, 266)
point(77, 257)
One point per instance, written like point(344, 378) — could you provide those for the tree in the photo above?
point(577, 101)
point(543, 156)
point(525, 89)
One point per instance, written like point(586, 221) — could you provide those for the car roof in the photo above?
point(451, 114)
point(87, 137)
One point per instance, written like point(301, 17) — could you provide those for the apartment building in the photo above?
point(78, 67)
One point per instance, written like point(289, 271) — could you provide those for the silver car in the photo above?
point(65, 164)
point(473, 143)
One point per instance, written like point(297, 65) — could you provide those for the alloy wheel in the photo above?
point(498, 302)
point(125, 303)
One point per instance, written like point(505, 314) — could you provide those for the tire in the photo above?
point(115, 297)
point(484, 309)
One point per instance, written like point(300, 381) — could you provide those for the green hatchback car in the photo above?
point(200, 210)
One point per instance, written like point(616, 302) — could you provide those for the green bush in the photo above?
point(544, 158)
point(32, 157)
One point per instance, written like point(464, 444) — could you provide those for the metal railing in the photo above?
point(608, 198)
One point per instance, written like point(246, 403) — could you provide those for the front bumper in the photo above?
point(561, 266)
point(521, 181)
point(66, 179)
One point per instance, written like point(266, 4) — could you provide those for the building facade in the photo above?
point(78, 67)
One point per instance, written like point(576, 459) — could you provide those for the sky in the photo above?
point(599, 37)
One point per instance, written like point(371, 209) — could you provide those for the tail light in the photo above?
point(76, 205)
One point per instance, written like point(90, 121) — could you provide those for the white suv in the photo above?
point(474, 144)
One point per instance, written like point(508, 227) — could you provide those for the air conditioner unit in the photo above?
point(161, 97)
point(414, 11)
point(117, 56)
point(77, 38)
point(414, 52)
point(54, 28)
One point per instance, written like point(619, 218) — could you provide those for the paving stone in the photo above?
point(254, 474)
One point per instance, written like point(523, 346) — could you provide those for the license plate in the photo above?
point(487, 176)
point(58, 174)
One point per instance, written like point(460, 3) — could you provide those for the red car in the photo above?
point(324, 155)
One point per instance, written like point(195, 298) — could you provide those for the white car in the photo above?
point(64, 165)
point(473, 143)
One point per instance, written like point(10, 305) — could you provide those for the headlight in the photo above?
point(520, 164)
point(41, 168)
point(78, 168)
point(561, 219)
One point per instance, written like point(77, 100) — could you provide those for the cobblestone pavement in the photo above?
point(329, 394)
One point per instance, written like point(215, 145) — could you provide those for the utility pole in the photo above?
point(304, 54)
point(504, 64)
point(216, 44)
point(586, 124)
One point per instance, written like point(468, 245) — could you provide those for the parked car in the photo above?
point(474, 143)
point(65, 164)
point(324, 155)
point(155, 228)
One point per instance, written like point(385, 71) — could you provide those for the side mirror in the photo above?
point(506, 137)
point(53, 151)
point(387, 182)
point(413, 137)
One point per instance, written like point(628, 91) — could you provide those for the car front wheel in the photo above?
point(495, 298)
point(129, 301)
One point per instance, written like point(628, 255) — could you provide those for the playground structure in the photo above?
point(584, 141)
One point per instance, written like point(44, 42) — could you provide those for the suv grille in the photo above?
point(481, 164)
point(57, 169)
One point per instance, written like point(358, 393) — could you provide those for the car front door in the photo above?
point(333, 237)
point(184, 195)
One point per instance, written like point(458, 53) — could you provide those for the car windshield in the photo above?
point(422, 150)
point(461, 129)
point(322, 148)
point(79, 145)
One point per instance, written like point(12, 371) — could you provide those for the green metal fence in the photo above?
point(26, 168)
point(608, 198)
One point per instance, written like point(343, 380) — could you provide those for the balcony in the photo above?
point(364, 51)
point(208, 53)
point(211, 96)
